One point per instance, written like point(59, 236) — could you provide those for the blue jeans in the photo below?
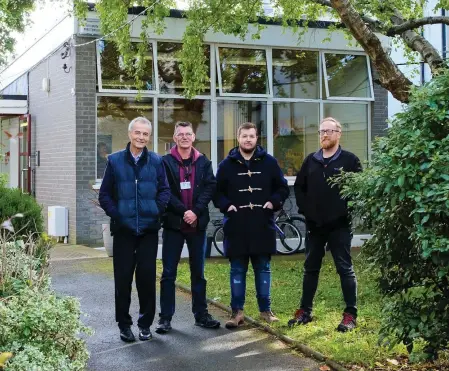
point(173, 242)
point(262, 277)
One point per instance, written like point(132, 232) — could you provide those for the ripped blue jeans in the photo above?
point(262, 277)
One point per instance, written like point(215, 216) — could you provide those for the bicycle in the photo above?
point(289, 231)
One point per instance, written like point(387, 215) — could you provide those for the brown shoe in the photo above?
point(237, 319)
point(268, 316)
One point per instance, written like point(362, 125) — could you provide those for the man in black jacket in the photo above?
point(250, 188)
point(328, 222)
point(192, 184)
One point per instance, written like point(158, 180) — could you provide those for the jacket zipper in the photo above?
point(137, 211)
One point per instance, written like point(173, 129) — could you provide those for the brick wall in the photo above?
point(53, 134)
point(89, 217)
point(379, 112)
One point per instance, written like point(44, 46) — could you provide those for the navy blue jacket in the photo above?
point(321, 203)
point(134, 195)
point(205, 186)
point(248, 186)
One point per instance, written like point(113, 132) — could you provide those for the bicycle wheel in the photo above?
point(218, 239)
point(290, 238)
point(300, 223)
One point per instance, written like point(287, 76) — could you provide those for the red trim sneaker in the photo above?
point(301, 317)
point(348, 323)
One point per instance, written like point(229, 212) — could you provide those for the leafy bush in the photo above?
point(40, 328)
point(403, 198)
point(13, 201)
point(3, 179)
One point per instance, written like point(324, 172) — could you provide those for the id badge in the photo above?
point(185, 185)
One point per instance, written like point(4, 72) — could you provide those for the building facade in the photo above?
point(80, 106)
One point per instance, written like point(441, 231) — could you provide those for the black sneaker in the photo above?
point(163, 326)
point(207, 321)
point(301, 317)
point(145, 333)
point(348, 323)
point(127, 335)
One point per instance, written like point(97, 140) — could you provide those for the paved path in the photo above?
point(186, 348)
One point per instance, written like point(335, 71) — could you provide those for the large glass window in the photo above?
point(195, 111)
point(347, 75)
point(295, 127)
point(243, 71)
point(233, 113)
point(295, 74)
point(114, 76)
point(354, 121)
point(114, 115)
point(170, 78)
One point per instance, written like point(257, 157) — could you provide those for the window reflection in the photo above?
point(195, 111)
point(243, 71)
point(113, 73)
point(233, 113)
point(295, 74)
point(114, 115)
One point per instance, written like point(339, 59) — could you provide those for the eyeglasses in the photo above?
point(182, 135)
point(328, 132)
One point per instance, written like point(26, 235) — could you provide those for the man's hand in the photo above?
point(190, 217)
point(232, 208)
point(268, 205)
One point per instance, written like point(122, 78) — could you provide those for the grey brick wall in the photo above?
point(53, 134)
point(379, 112)
point(89, 217)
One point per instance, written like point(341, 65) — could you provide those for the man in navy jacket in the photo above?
point(250, 188)
point(192, 184)
point(134, 193)
point(328, 222)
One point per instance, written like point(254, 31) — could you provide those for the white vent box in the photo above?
point(58, 221)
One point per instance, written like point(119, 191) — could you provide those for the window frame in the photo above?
point(128, 91)
point(326, 82)
point(267, 50)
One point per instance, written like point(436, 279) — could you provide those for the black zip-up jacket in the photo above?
point(321, 204)
point(204, 191)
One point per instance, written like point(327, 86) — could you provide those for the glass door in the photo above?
point(25, 153)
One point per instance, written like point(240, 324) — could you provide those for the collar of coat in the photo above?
point(143, 156)
point(235, 154)
point(318, 155)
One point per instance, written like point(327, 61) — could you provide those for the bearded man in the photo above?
point(250, 188)
point(328, 222)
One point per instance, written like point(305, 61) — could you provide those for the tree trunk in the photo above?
point(390, 77)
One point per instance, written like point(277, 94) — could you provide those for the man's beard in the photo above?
point(328, 143)
point(248, 150)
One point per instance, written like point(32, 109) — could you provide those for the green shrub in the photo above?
point(14, 201)
point(41, 329)
point(403, 198)
point(3, 179)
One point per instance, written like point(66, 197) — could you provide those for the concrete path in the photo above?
point(186, 348)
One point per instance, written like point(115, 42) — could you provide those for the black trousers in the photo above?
point(339, 243)
point(135, 254)
point(173, 242)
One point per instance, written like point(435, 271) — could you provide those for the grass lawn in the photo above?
point(356, 348)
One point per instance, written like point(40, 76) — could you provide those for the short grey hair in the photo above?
point(143, 120)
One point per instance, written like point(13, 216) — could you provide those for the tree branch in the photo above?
point(420, 44)
point(371, 21)
point(391, 78)
point(415, 23)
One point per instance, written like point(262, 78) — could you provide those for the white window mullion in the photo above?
point(217, 57)
point(156, 71)
point(213, 109)
point(269, 57)
point(323, 64)
point(155, 124)
point(270, 136)
point(100, 82)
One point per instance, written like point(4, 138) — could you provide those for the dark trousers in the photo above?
point(262, 278)
point(339, 243)
point(135, 254)
point(173, 242)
